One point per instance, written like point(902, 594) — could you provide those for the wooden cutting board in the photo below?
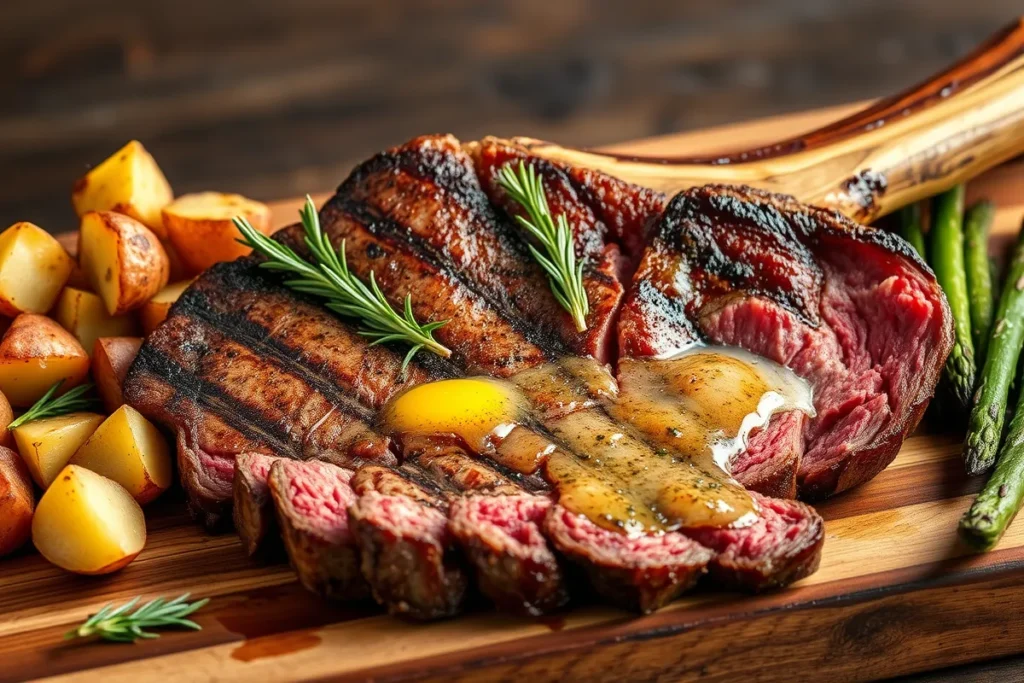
point(895, 593)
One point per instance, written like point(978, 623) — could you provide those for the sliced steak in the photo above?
point(640, 573)
point(783, 546)
point(503, 539)
point(312, 500)
point(408, 556)
point(253, 510)
point(849, 308)
point(770, 463)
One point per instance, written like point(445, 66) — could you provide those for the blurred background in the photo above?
point(274, 98)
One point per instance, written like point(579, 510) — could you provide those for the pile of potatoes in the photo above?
point(72, 308)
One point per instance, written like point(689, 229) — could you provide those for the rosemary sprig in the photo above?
point(347, 295)
point(117, 625)
point(47, 406)
point(559, 260)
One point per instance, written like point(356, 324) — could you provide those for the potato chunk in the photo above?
point(88, 524)
point(47, 445)
point(128, 182)
point(111, 358)
point(33, 269)
point(200, 228)
point(155, 310)
point(6, 418)
point(123, 260)
point(129, 449)
point(84, 315)
point(36, 352)
point(16, 502)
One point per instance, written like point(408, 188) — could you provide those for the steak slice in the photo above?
point(408, 556)
point(639, 573)
point(504, 541)
point(312, 500)
point(851, 309)
point(253, 509)
point(783, 546)
point(770, 463)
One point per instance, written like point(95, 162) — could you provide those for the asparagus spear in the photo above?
point(977, 222)
point(985, 426)
point(997, 504)
point(910, 227)
point(947, 260)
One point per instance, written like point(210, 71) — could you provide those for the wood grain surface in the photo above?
point(895, 593)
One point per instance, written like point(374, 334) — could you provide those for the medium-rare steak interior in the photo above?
point(739, 347)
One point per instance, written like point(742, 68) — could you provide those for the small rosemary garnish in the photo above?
point(559, 260)
point(347, 295)
point(47, 406)
point(120, 627)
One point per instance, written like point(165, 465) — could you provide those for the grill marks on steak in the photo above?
point(849, 308)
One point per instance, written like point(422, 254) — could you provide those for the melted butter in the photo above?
point(645, 455)
point(707, 398)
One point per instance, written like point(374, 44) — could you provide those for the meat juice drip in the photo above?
point(645, 455)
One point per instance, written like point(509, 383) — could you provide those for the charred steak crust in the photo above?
point(850, 308)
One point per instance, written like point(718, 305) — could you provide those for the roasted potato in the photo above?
point(123, 260)
point(33, 269)
point(77, 279)
point(17, 500)
point(129, 182)
point(111, 358)
point(200, 228)
point(129, 449)
point(48, 444)
point(88, 524)
point(6, 418)
point(155, 310)
point(84, 315)
point(36, 352)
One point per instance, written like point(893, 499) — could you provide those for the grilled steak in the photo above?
point(245, 365)
point(641, 573)
point(312, 501)
point(408, 556)
point(851, 309)
point(784, 545)
point(503, 539)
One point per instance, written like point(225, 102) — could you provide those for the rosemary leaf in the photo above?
point(329, 277)
point(48, 406)
point(120, 626)
point(558, 258)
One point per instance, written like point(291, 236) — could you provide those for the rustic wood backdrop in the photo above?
point(275, 98)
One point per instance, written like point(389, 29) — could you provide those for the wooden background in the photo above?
point(276, 98)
